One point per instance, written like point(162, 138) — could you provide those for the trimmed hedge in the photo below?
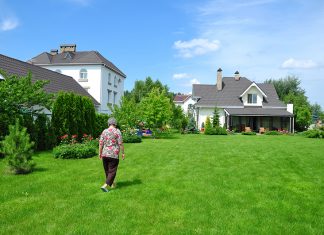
point(74, 151)
point(132, 139)
point(273, 133)
point(216, 131)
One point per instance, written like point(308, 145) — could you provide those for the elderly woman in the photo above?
point(110, 144)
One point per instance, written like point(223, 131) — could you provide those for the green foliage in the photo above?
point(179, 120)
point(156, 109)
point(317, 112)
point(100, 124)
point(191, 128)
point(75, 151)
point(248, 133)
point(130, 136)
point(273, 133)
point(315, 133)
point(215, 117)
point(44, 135)
point(127, 114)
point(19, 95)
point(73, 114)
point(208, 127)
point(289, 91)
point(17, 147)
point(216, 131)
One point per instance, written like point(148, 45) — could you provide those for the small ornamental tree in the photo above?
point(17, 147)
point(216, 117)
point(208, 126)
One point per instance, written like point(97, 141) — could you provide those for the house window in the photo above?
point(83, 74)
point(109, 96)
point(115, 81)
point(58, 71)
point(252, 98)
point(115, 96)
point(109, 79)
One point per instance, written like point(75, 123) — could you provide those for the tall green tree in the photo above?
point(127, 114)
point(156, 108)
point(19, 95)
point(289, 91)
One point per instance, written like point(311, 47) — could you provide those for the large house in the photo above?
point(184, 101)
point(100, 77)
point(13, 66)
point(242, 104)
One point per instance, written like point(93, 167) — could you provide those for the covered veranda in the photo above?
point(259, 119)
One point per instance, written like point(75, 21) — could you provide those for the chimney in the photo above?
point(237, 76)
point(54, 52)
point(68, 47)
point(219, 79)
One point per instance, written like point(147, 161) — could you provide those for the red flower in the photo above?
point(74, 136)
point(85, 135)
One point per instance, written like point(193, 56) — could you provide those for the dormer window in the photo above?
point(252, 98)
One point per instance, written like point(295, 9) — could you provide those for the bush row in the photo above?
point(75, 151)
point(215, 131)
point(273, 133)
point(248, 133)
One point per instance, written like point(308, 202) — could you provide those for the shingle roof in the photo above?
point(58, 82)
point(181, 98)
point(258, 111)
point(72, 58)
point(229, 95)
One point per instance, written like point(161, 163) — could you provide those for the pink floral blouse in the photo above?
point(111, 139)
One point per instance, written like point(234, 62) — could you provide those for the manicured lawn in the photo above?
point(193, 184)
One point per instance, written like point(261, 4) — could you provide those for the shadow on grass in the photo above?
point(122, 184)
point(40, 169)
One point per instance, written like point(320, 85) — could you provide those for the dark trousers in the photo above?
point(110, 165)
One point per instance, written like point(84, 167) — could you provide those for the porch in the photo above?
point(256, 118)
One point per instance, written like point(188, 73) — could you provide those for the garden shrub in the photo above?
point(17, 147)
point(273, 133)
point(130, 136)
point(208, 127)
point(248, 133)
point(100, 124)
point(315, 133)
point(75, 151)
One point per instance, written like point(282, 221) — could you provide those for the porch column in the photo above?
point(227, 122)
point(293, 125)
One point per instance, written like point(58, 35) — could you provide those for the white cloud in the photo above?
point(194, 81)
point(8, 24)
point(195, 47)
point(177, 76)
point(292, 63)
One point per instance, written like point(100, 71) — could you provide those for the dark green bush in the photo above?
point(315, 133)
point(101, 124)
point(248, 133)
point(273, 133)
point(74, 151)
point(216, 131)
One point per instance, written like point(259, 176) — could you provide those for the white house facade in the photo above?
point(242, 104)
point(98, 76)
point(184, 101)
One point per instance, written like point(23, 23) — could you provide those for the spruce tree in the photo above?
point(216, 117)
point(17, 147)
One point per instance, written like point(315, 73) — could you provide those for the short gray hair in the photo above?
point(112, 121)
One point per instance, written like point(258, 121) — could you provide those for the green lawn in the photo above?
point(194, 184)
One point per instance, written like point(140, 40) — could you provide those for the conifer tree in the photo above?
point(17, 147)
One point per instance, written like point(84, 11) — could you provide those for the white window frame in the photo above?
point(254, 98)
point(83, 75)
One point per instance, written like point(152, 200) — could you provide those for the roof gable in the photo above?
point(256, 86)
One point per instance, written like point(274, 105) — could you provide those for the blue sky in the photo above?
point(179, 42)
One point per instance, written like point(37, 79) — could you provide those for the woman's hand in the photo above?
point(123, 156)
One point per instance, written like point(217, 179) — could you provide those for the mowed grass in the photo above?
point(193, 184)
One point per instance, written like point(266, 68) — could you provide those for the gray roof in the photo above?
point(258, 111)
point(73, 58)
point(58, 82)
point(229, 96)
